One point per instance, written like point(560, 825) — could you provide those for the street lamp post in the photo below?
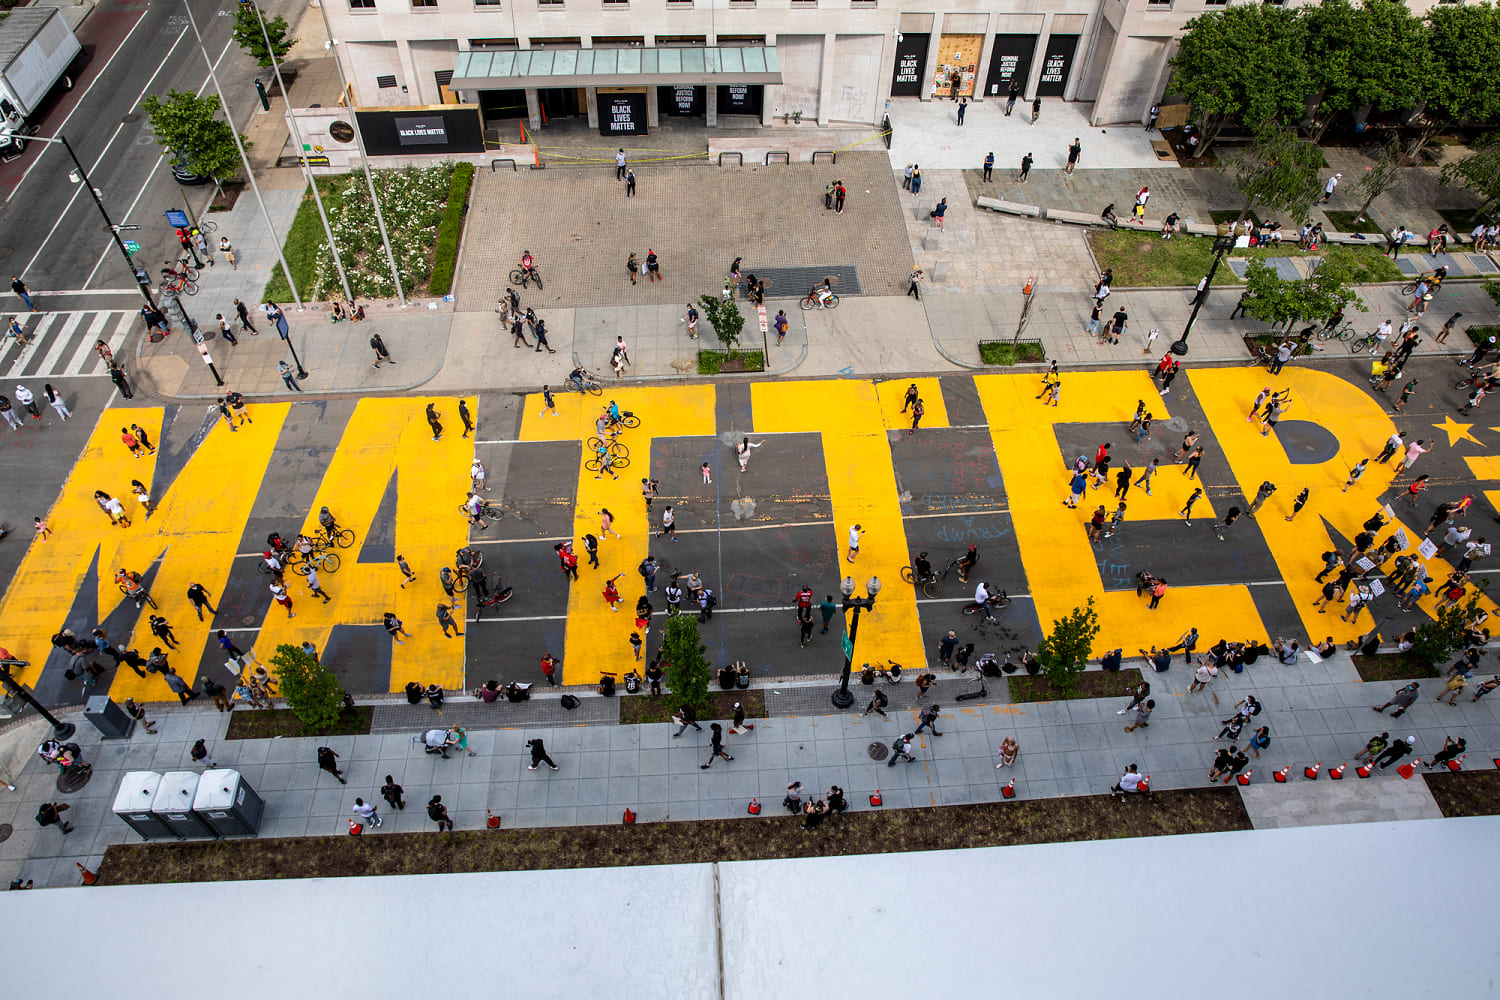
point(1222, 245)
point(285, 332)
point(82, 176)
point(60, 730)
point(841, 697)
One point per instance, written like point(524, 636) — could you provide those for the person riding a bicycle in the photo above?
point(130, 583)
point(528, 264)
point(330, 526)
point(984, 600)
point(967, 561)
point(822, 292)
point(922, 567)
point(613, 412)
point(577, 376)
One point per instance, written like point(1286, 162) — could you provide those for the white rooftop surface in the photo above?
point(1336, 911)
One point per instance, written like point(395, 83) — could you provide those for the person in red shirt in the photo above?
point(611, 595)
point(568, 560)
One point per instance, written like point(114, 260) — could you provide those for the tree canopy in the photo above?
point(1279, 171)
point(189, 127)
point(247, 32)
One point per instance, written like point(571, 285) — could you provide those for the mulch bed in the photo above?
point(1466, 793)
point(1090, 684)
point(267, 723)
point(1392, 667)
point(1043, 821)
point(638, 709)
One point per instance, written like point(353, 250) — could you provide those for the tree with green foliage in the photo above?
point(725, 318)
point(311, 690)
point(1065, 651)
point(1492, 289)
point(1279, 171)
point(1379, 176)
point(1246, 63)
point(1461, 83)
point(188, 127)
point(1479, 171)
point(247, 32)
point(1330, 287)
point(688, 670)
point(1439, 639)
point(1273, 299)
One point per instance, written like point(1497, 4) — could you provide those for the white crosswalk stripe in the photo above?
point(62, 343)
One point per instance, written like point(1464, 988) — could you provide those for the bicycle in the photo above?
point(1338, 333)
point(1476, 374)
point(932, 586)
point(496, 597)
point(1263, 358)
point(207, 226)
point(323, 558)
point(520, 277)
point(812, 300)
point(461, 579)
point(486, 509)
point(955, 565)
point(996, 601)
point(174, 283)
point(589, 384)
point(627, 420)
point(616, 449)
point(1369, 342)
point(343, 538)
point(1433, 284)
point(594, 465)
point(138, 595)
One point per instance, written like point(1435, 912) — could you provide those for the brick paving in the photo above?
point(581, 228)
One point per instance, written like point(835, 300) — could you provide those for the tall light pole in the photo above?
point(1222, 245)
point(60, 730)
point(841, 697)
point(249, 173)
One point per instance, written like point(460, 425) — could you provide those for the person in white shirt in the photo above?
point(1129, 784)
point(477, 474)
point(854, 535)
point(366, 812)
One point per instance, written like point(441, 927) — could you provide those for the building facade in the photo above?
point(625, 64)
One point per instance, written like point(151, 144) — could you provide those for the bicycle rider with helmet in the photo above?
point(330, 526)
point(923, 567)
point(528, 265)
point(131, 583)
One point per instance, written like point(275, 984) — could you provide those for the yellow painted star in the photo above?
point(1456, 432)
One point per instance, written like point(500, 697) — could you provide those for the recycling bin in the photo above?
point(227, 804)
point(133, 804)
point(173, 805)
point(110, 719)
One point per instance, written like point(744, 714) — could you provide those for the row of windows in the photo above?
point(369, 5)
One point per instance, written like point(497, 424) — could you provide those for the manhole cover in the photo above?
point(130, 119)
point(5, 831)
point(74, 778)
point(878, 751)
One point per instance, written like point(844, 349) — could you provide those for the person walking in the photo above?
point(438, 813)
point(1394, 752)
point(855, 534)
point(827, 609)
point(1187, 508)
point(963, 105)
point(1142, 715)
point(198, 595)
point(22, 292)
point(1261, 496)
point(279, 594)
point(715, 745)
point(288, 376)
point(928, 720)
point(315, 587)
point(989, 167)
point(1026, 162)
point(366, 812)
point(539, 755)
point(50, 813)
point(243, 312)
point(939, 214)
point(393, 793)
point(1036, 110)
point(468, 420)
point(742, 452)
point(1231, 516)
point(328, 761)
point(1355, 474)
point(877, 704)
point(1402, 699)
point(179, 687)
point(445, 619)
point(1074, 151)
point(630, 183)
point(394, 627)
point(1328, 189)
point(199, 754)
point(434, 423)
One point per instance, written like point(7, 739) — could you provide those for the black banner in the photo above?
point(388, 133)
point(1057, 64)
point(741, 99)
point(681, 101)
point(1009, 60)
point(911, 64)
point(622, 114)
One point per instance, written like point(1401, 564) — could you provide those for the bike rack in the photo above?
point(495, 163)
point(739, 158)
point(786, 157)
point(832, 154)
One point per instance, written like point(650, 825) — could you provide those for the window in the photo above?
point(487, 4)
point(424, 4)
point(804, 4)
point(862, 3)
point(385, 82)
point(1159, 4)
point(679, 3)
point(742, 3)
point(361, 4)
point(1216, 3)
point(617, 3)
point(549, 3)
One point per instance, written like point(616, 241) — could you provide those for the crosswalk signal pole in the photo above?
point(79, 175)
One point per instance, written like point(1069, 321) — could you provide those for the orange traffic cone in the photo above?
point(1364, 770)
point(1312, 772)
point(491, 820)
point(355, 829)
point(629, 817)
point(755, 807)
point(875, 798)
point(1145, 784)
point(1337, 772)
point(1457, 765)
point(1280, 776)
point(1009, 791)
point(89, 878)
point(1407, 770)
point(1244, 779)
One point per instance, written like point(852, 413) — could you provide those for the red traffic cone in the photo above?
point(629, 817)
point(355, 829)
point(1244, 779)
point(1364, 770)
point(1145, 784)
point(1337, 772)
point(89, 878)
point(755, 807)
point(1312, 772)
point(1457, 765)
point(491, 820)
point(875, 798)
point(1009, 791)
point(1497, 761)
point(1280, 776)
point(1407, 770)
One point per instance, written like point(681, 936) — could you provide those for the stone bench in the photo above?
point(1075, 218)
point(1200, 229)
point(1009, 207)
point(1357, 239)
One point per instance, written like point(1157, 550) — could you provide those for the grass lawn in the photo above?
point(268, 723)
point(998, 352)
point(773, 834)
point(304, 242)
point(1090, 684)
point(637, 709)
point(1343, 222)
point(1392, 667)
point(715, 362)
point(1145, 260)
point(1466, 793)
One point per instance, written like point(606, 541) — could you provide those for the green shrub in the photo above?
point(311, 690)
point(445, 260)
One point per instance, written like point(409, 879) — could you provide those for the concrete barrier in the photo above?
point(1009, 207)
point(1074, 218)
point(1200, 229)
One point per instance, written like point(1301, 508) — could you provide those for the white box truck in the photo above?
point(36, 49)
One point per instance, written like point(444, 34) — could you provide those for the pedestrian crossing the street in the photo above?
point(62, 343)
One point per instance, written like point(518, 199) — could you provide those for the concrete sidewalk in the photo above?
point(1316, 712)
